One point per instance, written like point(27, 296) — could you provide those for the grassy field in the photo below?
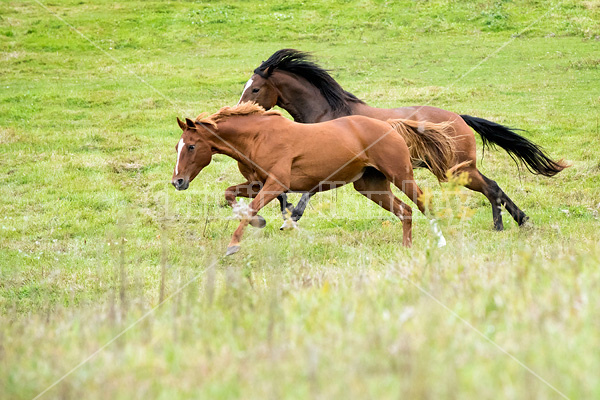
point(114, 285)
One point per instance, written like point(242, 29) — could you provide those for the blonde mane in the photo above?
point(247, 108)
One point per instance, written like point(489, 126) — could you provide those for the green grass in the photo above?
point(93, 237)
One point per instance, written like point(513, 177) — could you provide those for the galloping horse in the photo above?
point(291, 81)
point(277, 156)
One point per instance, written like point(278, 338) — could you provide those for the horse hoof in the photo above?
point(232, 250)
point(289, 224)
point(258, 222)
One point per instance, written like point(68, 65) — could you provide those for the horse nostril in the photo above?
point(177, 182)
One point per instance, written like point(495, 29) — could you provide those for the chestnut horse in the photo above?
point(277, 156)
point(290, 80)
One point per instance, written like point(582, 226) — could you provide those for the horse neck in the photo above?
point(301, 99)
point(366, 110)
point(232, 139)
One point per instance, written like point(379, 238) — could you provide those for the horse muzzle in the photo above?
point(180, 183)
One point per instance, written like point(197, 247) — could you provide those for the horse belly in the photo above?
point(319, 177)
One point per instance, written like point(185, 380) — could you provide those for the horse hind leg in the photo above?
point(412, 190)
point(403, 179)
point(518, 215)
point(377, 189)
point(479, 183)
point(497, 198)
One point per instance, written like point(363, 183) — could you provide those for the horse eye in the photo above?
point(191, 147)
point(255, 90)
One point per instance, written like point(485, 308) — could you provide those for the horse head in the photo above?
point(193, 153)
point(260, 90)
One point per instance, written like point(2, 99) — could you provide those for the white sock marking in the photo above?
point(438, 232)
point(179, 148)
point(245, 88)
point(241, 210)
point(289, 224)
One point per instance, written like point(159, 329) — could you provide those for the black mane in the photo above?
point(300, 63)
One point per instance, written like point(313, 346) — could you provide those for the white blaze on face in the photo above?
point(179, 148)
point(245, 88)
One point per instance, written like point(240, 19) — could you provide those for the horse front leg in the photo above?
point(249, 190)
point(269, 191)
point(287, 209)
point(299, 210)
point(290, 222)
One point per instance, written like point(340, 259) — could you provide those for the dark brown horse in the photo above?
point(277, 156)
point(290, 80)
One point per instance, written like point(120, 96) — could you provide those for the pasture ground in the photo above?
point(114, 285)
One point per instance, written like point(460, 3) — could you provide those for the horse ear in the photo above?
point(181, 124)
point(267, 71)
point(190, 123)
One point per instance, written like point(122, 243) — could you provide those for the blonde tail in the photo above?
point(430, 143)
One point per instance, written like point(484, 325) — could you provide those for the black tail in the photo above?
point(519, 148)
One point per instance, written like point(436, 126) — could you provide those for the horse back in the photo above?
point(372, 133)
